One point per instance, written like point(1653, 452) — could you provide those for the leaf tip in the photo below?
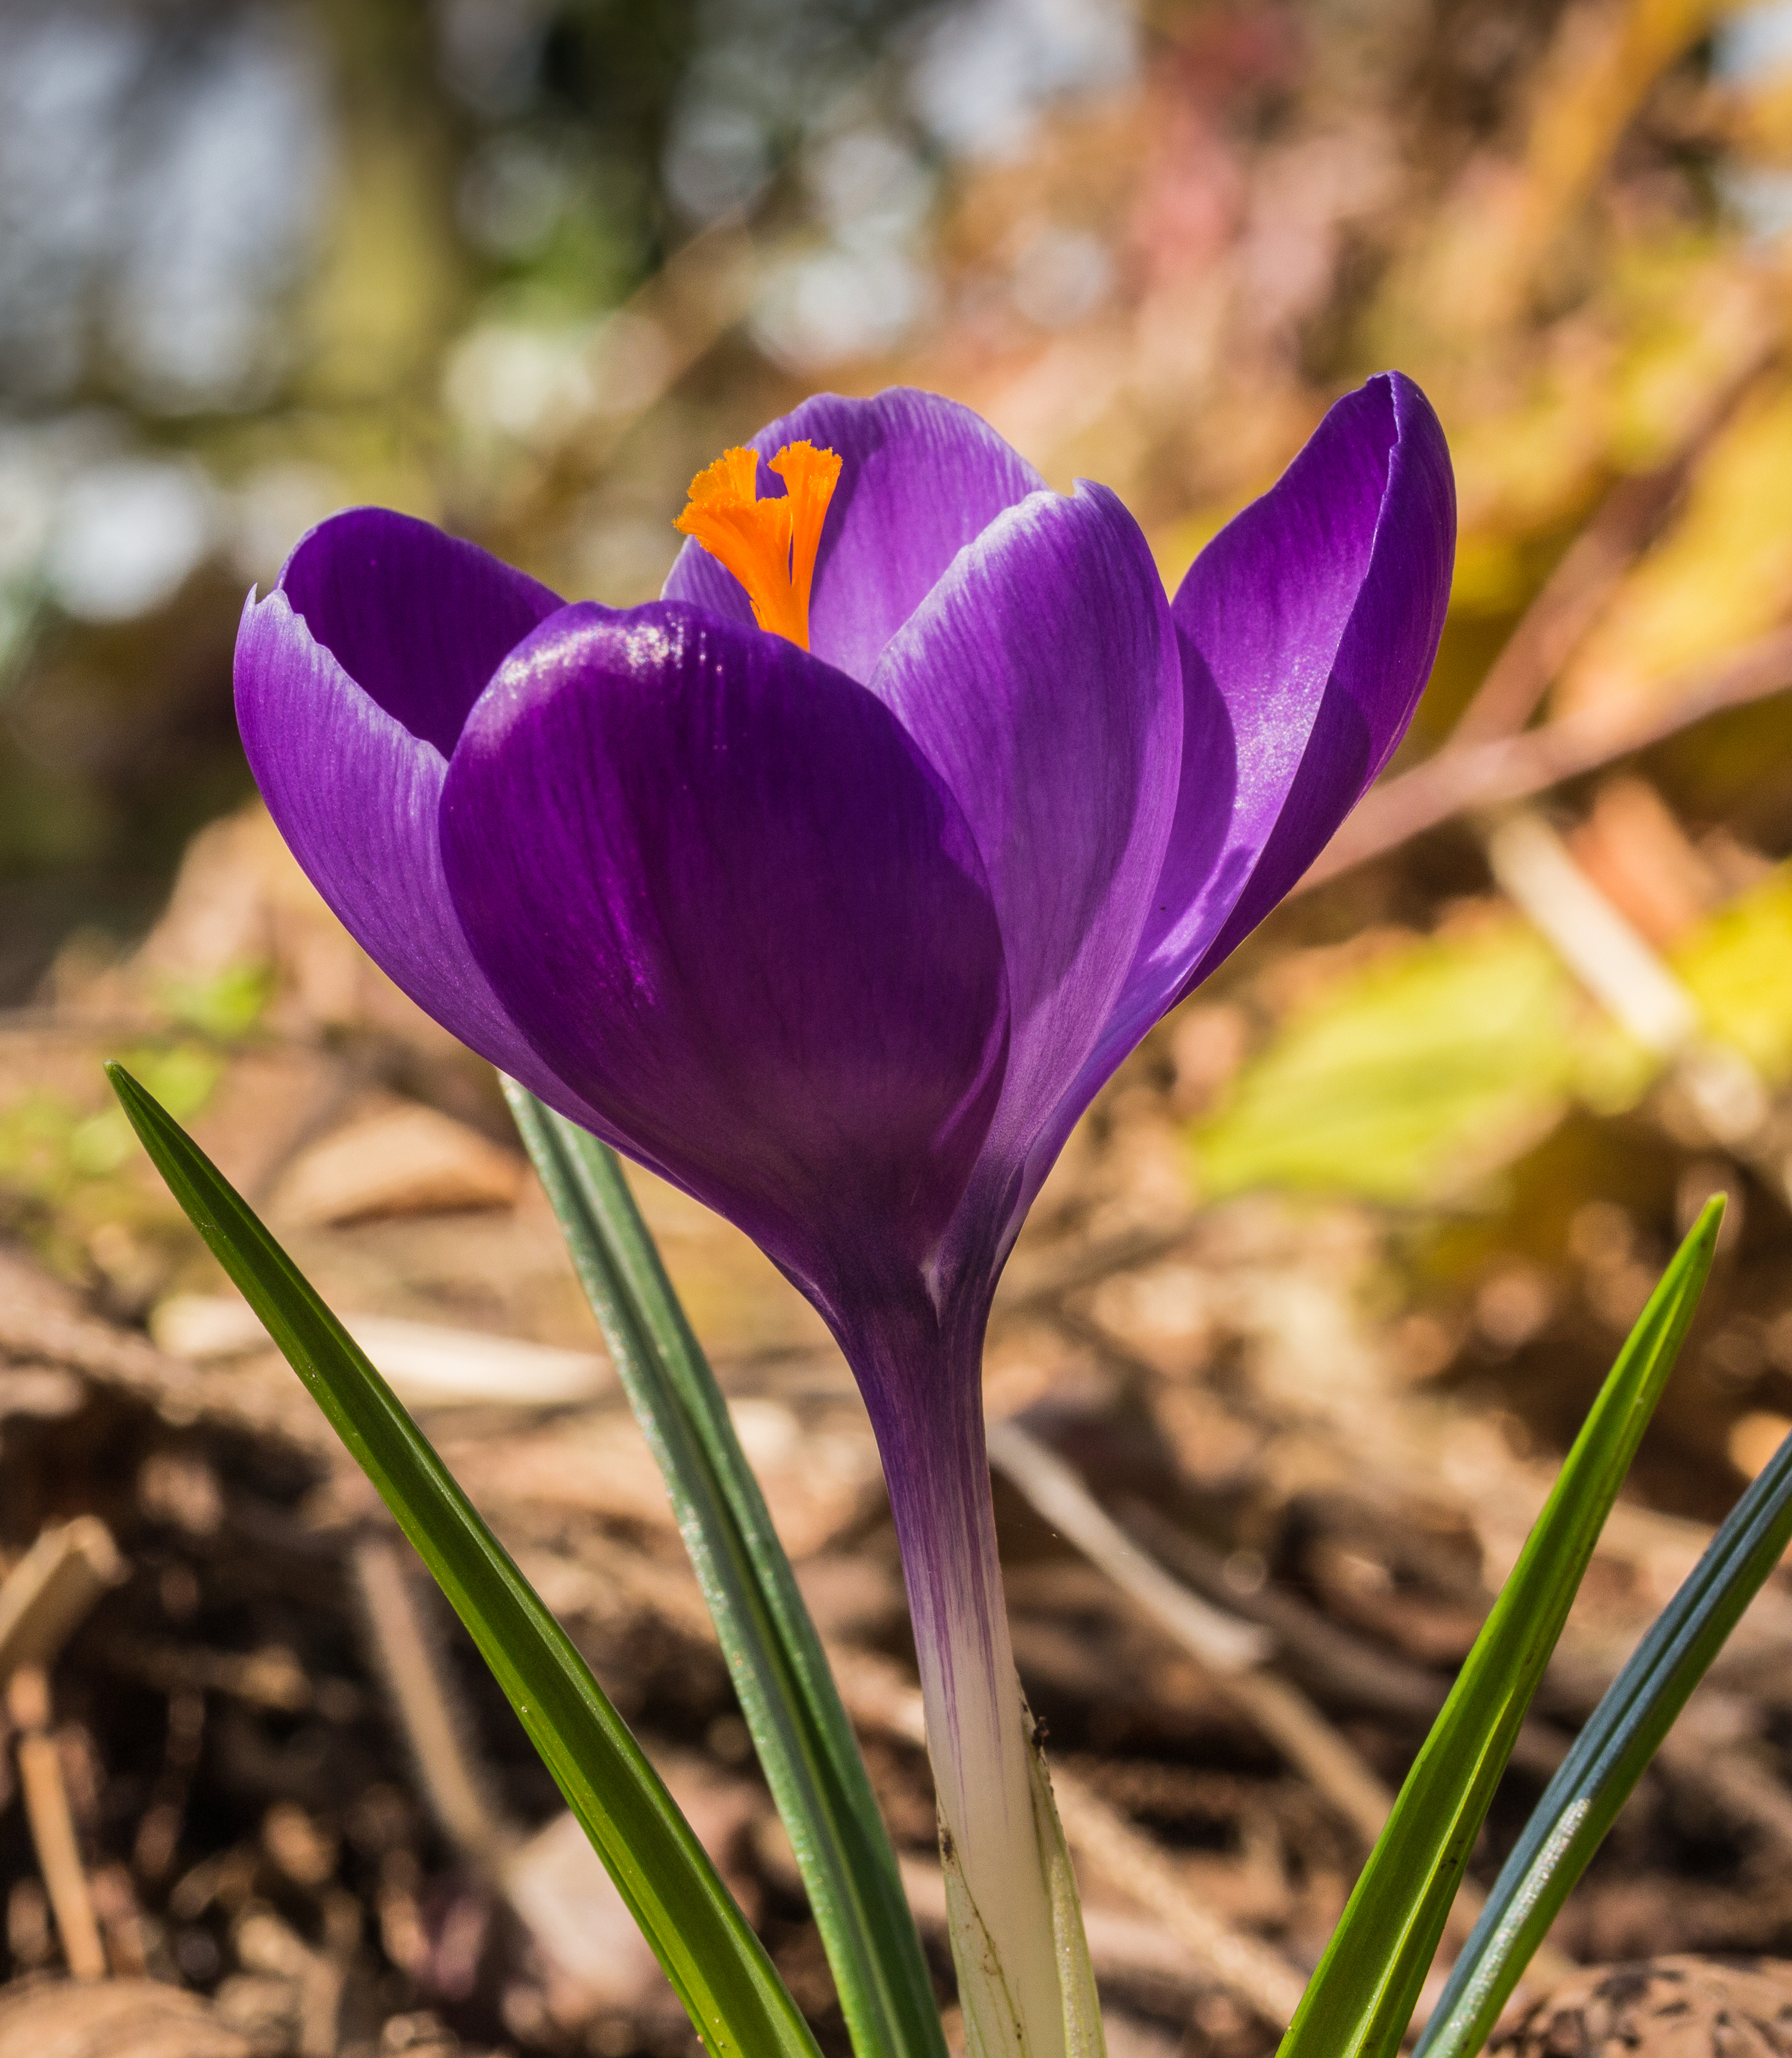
point(131, 1098)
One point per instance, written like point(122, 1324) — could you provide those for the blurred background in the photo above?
point(1326, 1281)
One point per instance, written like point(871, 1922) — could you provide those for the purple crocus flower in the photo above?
point(843, 938)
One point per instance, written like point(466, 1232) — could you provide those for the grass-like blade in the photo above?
point(1607, 1759)
point(738, 2005)
point(1361, 1998)
point(805, 1744)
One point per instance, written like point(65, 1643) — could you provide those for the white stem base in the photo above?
point(1024, 1982)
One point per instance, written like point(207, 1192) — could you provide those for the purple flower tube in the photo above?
point(831, 886)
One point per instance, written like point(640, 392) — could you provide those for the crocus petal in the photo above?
point(729, 902)
point(355, 795)
point(1041, 678)
point(1307, 629)
point(417, 618)
point(921, 477)
point(1349, 557)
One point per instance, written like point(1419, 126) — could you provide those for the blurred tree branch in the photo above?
point(1483, 775)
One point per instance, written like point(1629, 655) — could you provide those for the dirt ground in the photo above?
point(286, 1789)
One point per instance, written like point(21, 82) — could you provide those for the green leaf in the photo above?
point(805, 1744)
point(1361, 1997)
point(1418, 1073)
point(1423, 1071)
point(739, 2007)
point(1733, 965)
point(1607, 1759)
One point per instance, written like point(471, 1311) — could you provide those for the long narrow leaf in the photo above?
point(739, 2005)
point(805, 1744)
point(1360, 1999)
point(1595, 1778)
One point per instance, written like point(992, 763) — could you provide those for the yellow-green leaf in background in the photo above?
point(1738, 966)
point(226, 1005)
point(1415, 1076)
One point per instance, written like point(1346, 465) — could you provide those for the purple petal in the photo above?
point(1379, 557)
point(1041, 678)
point(1308, 628)
point(417, 619)
point(729, 903)
point(357, 795)
point(921, 477)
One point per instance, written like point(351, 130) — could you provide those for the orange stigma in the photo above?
point(769, 546)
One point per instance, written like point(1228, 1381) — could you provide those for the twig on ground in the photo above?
point(1131, 1863)
point(1516, 767)
point(1356, 1670)
point(265, 1944)
point(51, 1819)
point(1323, 1656)
point(405, 1654)
point(1621, 971)
point(1232, 1652)
point(36, 1324)
point(879, 1698)
point(121, 1921)
point(1220, 1641)
point(1599, 945)
point(552, 1883)
point(1309, 1743)
point(46, 1595)
point(1281, 1712)
point(271, 1677)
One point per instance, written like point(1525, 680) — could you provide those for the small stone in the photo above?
point(1679, 2006)
point(404, 1160)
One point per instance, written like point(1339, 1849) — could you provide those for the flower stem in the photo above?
point(1016, 1932)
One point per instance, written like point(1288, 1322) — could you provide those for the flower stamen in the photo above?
point(769, 545)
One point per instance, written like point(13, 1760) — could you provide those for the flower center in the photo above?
point(769, 546)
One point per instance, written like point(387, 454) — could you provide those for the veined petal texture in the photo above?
point(353, 787)
point(921, 477)
point(1336, 581)
point(1308, 628)
point(417, 618)
point(1041, 677)
point(729, 903)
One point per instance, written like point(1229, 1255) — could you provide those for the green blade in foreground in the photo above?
point(1595, 1780)
point(739, 2005)
point(1360, 1999)
point(805, 1744)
